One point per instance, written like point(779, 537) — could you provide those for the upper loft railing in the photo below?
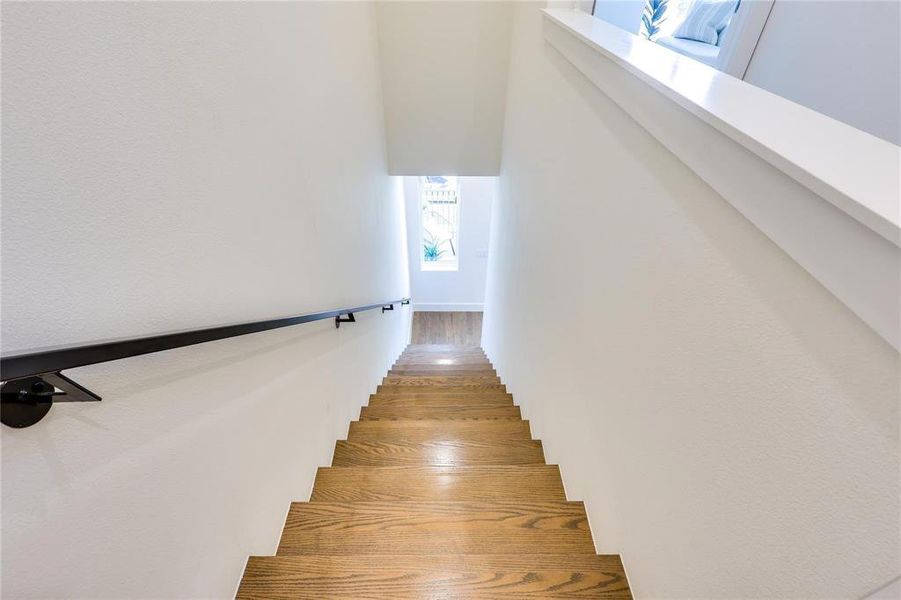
point(33, 380)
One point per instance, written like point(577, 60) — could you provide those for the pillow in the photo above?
point(705, 21)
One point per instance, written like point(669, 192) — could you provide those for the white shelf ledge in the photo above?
point(852, 169)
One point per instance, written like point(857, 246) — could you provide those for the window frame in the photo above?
point(439, 266)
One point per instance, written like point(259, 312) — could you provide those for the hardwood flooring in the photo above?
point(461, 328)
point(439, 491)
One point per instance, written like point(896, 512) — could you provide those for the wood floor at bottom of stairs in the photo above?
point(472, 576)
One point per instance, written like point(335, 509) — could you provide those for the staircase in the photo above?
point(438, 492)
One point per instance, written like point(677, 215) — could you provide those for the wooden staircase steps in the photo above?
point(443, 576)
point(419, 386)
point(440, 453)
point(494, 483)
point(471, 369)
point(432, 399)
point(442, 380)
point(435, 430)
point(463, 577)
point(436, 528)
point(439, 491)
point(443, 412)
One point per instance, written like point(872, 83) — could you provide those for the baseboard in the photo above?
point(448, 307)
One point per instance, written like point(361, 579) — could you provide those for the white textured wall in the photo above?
point(463, 289)
point(444, 79)
point(732, 427)
point(170, 166)
point(839, 57)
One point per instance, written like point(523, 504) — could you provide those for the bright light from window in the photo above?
point(439, 201)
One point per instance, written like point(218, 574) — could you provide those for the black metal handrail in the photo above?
point(33, 380)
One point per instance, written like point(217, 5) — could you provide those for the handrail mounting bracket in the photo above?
point(350, 319)
point(25, 401)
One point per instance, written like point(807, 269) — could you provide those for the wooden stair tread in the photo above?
point(444, 412)
point(441, 380)
point(444, 576)
point(446, 362)
point(424, 392)
point(439, 491)
point(438, 453)
point(433, 430)
point(465, 383)
point(488, 483)
point(436, 401)
point(431, 369)
point(436, 528)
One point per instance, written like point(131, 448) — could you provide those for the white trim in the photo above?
point(448, 307)
point(837, 211)
point(438, 266)
point(854, 170)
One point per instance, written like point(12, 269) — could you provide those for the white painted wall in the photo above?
point(840, 57)
point(170, 166)
point(732, 427)
point(444, 80)
point(464, 289)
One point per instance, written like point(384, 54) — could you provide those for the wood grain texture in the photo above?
point(485, 577)
point(496, 483)
point(440, 392)
point(435, 400)
point(426, 369)
point(462, 453)
point(463, 328)
point(438, 492)
point(437, 430)
point(436, 528)
point(442, 380)
point(446, 412)
point(418, 387)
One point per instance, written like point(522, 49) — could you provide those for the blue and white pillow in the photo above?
point(706, 20)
